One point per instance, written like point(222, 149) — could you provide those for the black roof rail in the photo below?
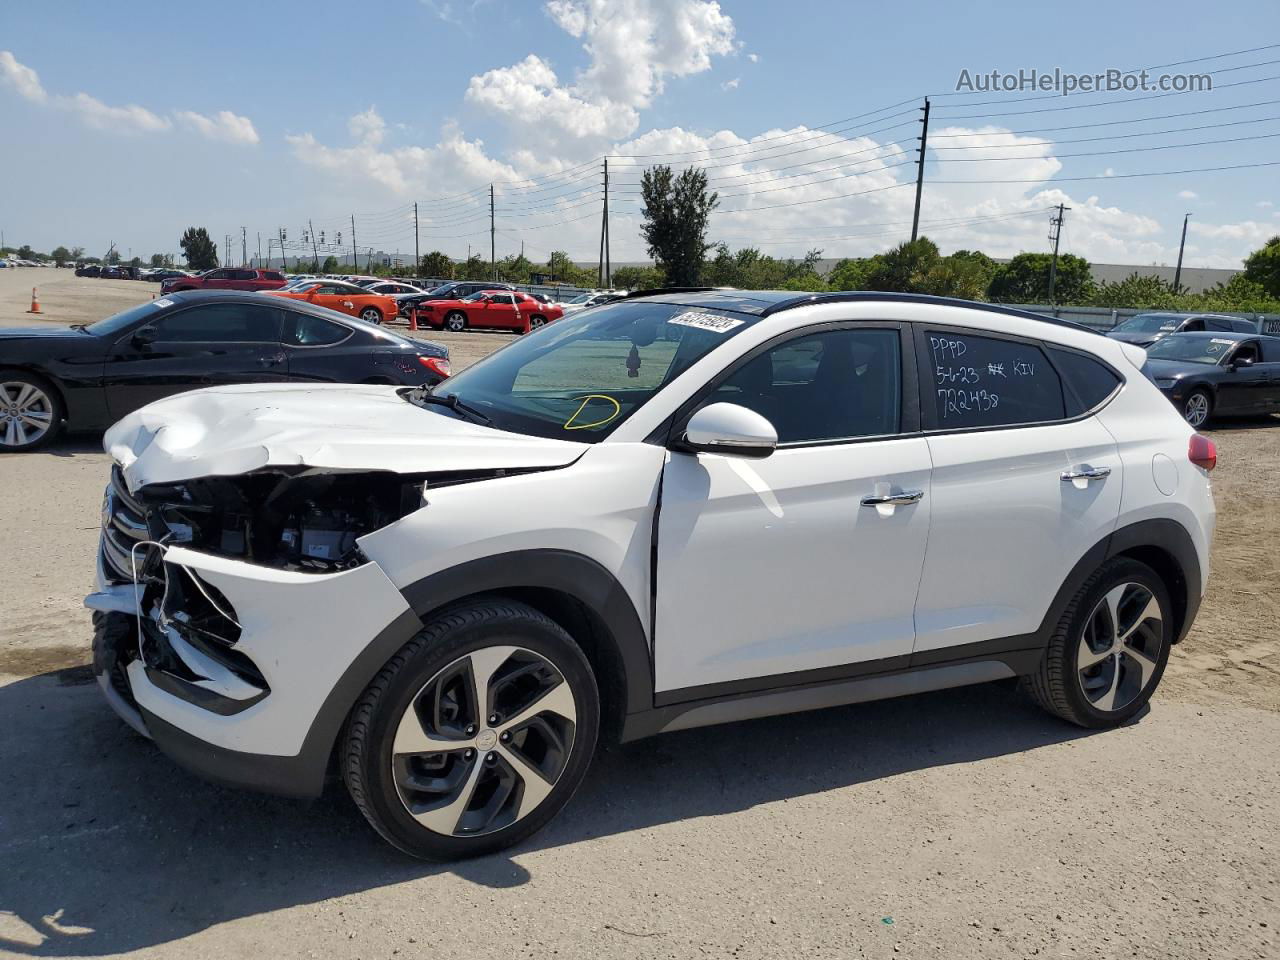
point(854, 296)
point(657, 291)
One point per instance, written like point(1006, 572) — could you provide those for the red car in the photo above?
point(226, 278)
point(488, 310)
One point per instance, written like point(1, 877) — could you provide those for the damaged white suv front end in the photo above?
point(234, 597)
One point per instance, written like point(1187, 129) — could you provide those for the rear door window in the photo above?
point(972, 381)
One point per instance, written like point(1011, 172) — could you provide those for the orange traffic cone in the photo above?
point(35, 302)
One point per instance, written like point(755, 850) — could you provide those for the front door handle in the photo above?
point(894, 499)
point(1086, 473)
point(272, 361)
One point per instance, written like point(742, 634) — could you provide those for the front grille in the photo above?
point(124, 525)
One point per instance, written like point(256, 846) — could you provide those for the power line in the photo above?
point(1125, 176)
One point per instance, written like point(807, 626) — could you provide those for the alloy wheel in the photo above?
point(455, 322)
point(1119, 648)
point(484, 742)
point(1196, 410)
point(371, 316)
point(535, 322)
point(26, 413)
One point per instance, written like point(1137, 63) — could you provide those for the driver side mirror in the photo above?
point(730, 429)
point(144, 336)
point(1239, 362)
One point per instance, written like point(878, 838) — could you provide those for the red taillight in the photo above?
point(1202, 452)
point(437, 365)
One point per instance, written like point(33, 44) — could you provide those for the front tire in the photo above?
point(1197, 408)
point(456, 321)
point(1109, 651)
point(475, 734)
point(31, 411)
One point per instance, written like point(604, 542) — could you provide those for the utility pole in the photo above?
point(608, 267)
point(604, 225)
point(1055, 234)
point(355, 253)
point(244, 247)
point(493, 247)
point(284, 257)
point(315, 251)
point(1177, 274)
point(924, 142)
point(260, 247)
point(417, 257)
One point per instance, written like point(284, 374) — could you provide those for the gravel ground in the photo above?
point(963, 824)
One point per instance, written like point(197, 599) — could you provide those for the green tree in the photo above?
point(561, 267)
point(1025, 279)
point(1263, 267)
point(637, 278)
point(904, 268)
point(330, 264)
point(515, 268)
point(436, 264)
point(161, 260)
point(476, 268)
point(677, 213)
point(77, 253)
point(1137, 292)
point(60, 255)
point(199, 249)
point(852, 273)
point(25, 252)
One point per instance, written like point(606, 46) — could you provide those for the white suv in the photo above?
point(678, 509)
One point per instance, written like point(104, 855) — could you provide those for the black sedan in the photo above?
point(87, 377)
point(1217, 374)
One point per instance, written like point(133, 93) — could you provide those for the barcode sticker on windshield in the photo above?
point(715, 322)
point(161, 303)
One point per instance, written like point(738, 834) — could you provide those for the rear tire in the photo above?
point(1108, 653)
point(1198, 407)
point(455, 322)
point(506, 758)
point(371, 315)
point(31, 411)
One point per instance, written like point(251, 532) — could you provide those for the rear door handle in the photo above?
point(894, 499)
point(1086, 473)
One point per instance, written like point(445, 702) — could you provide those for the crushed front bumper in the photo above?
point(243, 673)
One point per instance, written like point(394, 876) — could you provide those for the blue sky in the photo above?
point(130, 126)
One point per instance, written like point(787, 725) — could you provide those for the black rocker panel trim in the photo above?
point(566, 572)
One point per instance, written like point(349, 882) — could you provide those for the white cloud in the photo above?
point(100, 116)
point(731, 84)
point(130, 118)
point(1264, 204)
point(22, 78)
point(634, 46)
point(753, 57)
point(224, 125)
point(368, 127)
point(1188, 195)
point(1109, 172)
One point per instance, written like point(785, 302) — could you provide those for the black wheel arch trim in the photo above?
point(563, 571)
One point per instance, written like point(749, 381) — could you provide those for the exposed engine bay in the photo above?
point(302, 519)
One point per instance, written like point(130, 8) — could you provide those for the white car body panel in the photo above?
point(742, 541)
point(614, 484)
point(233, 430)
point(1007, 529)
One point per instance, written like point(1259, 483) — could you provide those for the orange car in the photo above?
point(343, 297)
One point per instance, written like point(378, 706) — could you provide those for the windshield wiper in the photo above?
point(79, 326)
point(450, 400)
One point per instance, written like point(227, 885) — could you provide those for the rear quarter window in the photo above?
point(1086, 381)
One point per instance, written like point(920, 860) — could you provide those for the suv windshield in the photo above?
point(1150, 323)
point(581, 377)
point(1191, 348)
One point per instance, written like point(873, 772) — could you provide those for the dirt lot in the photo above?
point(956, 825)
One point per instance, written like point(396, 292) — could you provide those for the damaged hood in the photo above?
point(226, 431)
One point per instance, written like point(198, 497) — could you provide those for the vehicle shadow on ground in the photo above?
point(106, 846)
point(1241, 423)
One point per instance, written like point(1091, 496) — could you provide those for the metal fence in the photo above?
point(1104, 318)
